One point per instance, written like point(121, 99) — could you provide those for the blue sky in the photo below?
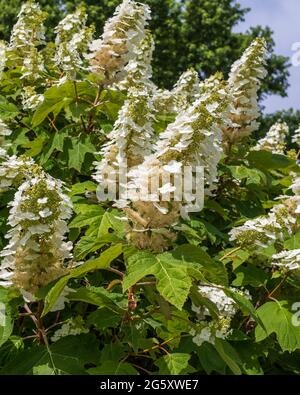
point(283, 18)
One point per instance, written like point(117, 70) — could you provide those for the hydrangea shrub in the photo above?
point(136, 286)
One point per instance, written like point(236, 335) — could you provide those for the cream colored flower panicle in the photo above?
point(72, 40)
point(185, 92)
point(193, 139)
point(4, 132)
point(287, 260)
point(209, 328)
point(131, 138)
point(27, 34)
point(282, 220)
point(111, 53)
point(14, 170)
point(262, 231)
point(138, 71)
point(29, 29)
point(3, 57)
point(244, 81)
point(296, 137)
point(274, 141)
point(186, 89)
point(37, 249)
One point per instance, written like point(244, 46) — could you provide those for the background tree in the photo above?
point(187, 33)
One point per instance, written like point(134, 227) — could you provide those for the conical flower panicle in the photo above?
point(244, 82)
point(275, 139)
point(29, 30)
point(186, 89)
point(4, 132)
point(72, 40)
point(184, 93)
point(193, 139)
point(111, 53)
point(3, 57)
point(37, 250)
point(131, 138)
point(27, 35)
point(15, 170)
point(138, 71)
point(282, 221)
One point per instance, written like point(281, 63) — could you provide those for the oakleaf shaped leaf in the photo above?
point(173, 363)
point(278, 319)
point(172, 275)
point(78, 151)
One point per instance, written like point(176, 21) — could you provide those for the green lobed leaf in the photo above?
point(78, 150)
point(266, 160)
point(173, 363)
point(101, 298)
point(173, 281)
point(113, 368)
point(67, 356)
point(212, 270)
point(278, 318)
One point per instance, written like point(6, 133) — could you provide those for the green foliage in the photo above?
point(172, 275)
point(277, 318)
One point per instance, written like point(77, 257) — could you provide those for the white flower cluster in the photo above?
point(29, 29)
point(14, 170)
point(184, 93)
point(282, 220)
point(263, 231)
point(225, 305)
point(209, 328)
point(31, 99)
point(37, 249)
point(296, 137)
point(27, 34)
point(111, 53)
point(130, 140)
point(208, 331)
point(287, 260)
point(72, 327)
point(186, 90)
point(244, 82)
point(3, 57)
point(4, 132)
point(274, 141)
point(195, 137)
point(72, 40)
point(138, 71)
